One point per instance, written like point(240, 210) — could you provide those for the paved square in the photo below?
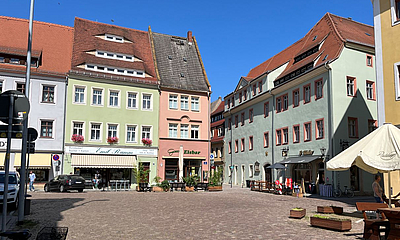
point(236, 213)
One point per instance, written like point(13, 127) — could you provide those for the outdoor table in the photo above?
point(393, 215)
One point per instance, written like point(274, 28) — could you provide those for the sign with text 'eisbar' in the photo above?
point(172, 151)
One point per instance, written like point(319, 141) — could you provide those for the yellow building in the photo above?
point(387, 52)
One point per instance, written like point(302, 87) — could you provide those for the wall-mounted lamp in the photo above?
point(285, 151)
point(323, 150)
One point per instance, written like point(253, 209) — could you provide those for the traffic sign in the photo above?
point(21, 106)
point(32, 134)
point(31, 147)
point(211, 156)
point(56, 157)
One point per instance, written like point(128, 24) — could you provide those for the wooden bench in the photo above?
point(373, 227)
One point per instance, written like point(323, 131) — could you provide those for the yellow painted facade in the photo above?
point(387, 35)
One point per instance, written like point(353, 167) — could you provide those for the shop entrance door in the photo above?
point(242, 174)
point(171, 170)
point(268, 173)
point(192, 167)
point(355, 178)
point(146, 166)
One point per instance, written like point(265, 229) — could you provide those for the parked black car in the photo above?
point(63, 183)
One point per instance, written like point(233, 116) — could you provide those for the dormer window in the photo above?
point(306, 54)
point(114, 38)
point(118, 56)
point(113, 70)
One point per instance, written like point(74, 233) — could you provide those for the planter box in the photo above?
point(295, 195)
point(297, 213)
point(329, 209)
point(189, 189)
point(214, 188)
point(157, 189)
point(330, 223)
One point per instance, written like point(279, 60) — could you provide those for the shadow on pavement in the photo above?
point(348, 201)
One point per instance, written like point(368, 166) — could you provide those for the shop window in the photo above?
point(352, 127)
point(48, 94)
point(46, 129)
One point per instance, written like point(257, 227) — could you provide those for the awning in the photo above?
point(103, 161)
point(302, 159)
point(36, 161)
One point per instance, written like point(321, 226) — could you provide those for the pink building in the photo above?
point(184, 127)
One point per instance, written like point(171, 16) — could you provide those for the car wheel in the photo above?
point(62, 188)
point(46, 188)
point(80, 190)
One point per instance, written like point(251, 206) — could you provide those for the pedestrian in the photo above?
point(378, 191)
point(32, 178)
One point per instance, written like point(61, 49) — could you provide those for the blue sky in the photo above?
point(233, 36)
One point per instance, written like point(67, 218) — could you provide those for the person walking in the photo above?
point(378, 191)
point(32, 178)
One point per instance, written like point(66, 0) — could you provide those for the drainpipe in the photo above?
point(230, 126)
point(330, 120)
point(272, 134)
point(65, 120)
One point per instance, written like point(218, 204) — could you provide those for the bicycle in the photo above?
point(23, 234)
point(347, 191)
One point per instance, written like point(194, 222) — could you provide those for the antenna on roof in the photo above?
point(349, 18)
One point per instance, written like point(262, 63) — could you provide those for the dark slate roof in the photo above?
point(178, 63)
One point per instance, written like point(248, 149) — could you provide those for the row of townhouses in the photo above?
point(105, 98)
point(303, 106)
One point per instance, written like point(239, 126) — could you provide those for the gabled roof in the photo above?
point(220, 108)
point(217, 106)
point(330, 33)
point(178, 63)
point(89, 36)
point(51, 42)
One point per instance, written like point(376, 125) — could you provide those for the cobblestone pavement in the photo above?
point(236, 213)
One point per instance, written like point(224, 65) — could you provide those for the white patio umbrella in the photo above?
point(379, 151)
point(180, 163)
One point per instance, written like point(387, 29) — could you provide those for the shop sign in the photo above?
point(256, 166)
point(306, 152)
point(172, 151)
point(112, 151)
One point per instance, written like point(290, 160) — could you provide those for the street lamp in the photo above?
point(323, 150)
point(285, 151)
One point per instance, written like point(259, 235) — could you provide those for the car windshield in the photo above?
point(12, 179)
point(76, 177)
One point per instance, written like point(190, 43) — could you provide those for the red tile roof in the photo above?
point(53, 42)
point(219, 109)
point(331, 32)
point(85, 40)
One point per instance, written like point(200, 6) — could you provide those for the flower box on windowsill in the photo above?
point(112, 140)
point(147, 142)
point(76, 138)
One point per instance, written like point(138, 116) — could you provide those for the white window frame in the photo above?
point(350, 86)
point(124, 56)
point(117, 130)
point(126, 133)
point(198, 131)
point(251, 170)
point(127, 100)
point(173, 127)
point(187, 102)
point(285, 137)
point(92, 97)
point(369, 88)
point(173, 98)
point(101, 132)
point(397, 80)
point(126, 72)
point(2, 85)
point(186, 128)
point(114, 38)
point(192, 100)
point(41, 93)
point(73, 127)
point(141, 131)
point(393, 13)
point(151, 102)
point(109, 98)
point(84, 95)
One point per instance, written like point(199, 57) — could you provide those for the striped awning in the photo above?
point(103, 161)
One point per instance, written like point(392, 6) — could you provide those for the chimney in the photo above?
point(189, 36)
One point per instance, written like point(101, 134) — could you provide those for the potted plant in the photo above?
point(76, 138)
point(157, 187)
point(330, 223)
point(190, 182)
point(112, 140)
point(142, 178)
point(330, 209)
point(216, 180)
point(147, 142)
point(165, 185)
point(297, 213)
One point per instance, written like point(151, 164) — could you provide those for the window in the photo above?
point(395, 10)
point(397, 79)
point(173, 101)
point(79, 95)
point(97, 97)
point(146, 132)
point(318, 89)
point(285, 136)
point(173, 130)
point(114, 38)
point(112, 130)
point(251, 115)
point(233, 101)
point(242, 144)
point(184, 131)
point(194, 131)
point(278, 104)
point(195, 103)
point(372, 125)
point(95, 131)
point(369, 61)
point(278, 137)
point(242, 119)
point(184, 103)
point(77, 128)
point(353, 127)
point(229, 147)
point(296, 133)
point(2, 59)
point(14, 60)
point(260, 86)
point(285, 102)
point(220, 132)
point(266, 139)
point(146, 102)
point(251, 170)
point(307, 131)
point(296, 98)
point(114, 98)
point(236, 121)
point(282, 103)
point(1, 86)
point(250, 143)
point(319, 128)
point(351, 86)
point(245, 94)
point(132, 100)
point(46, 129)
point(370, 88)
point(21, 87)
point(240, 97)
point(266, 109)
point(130, 134)
point(48, 94)
point(236, 146)
point(307, 93)
point(229, 103)
point(254, 89)
point(222, 152)
point(229, 123)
